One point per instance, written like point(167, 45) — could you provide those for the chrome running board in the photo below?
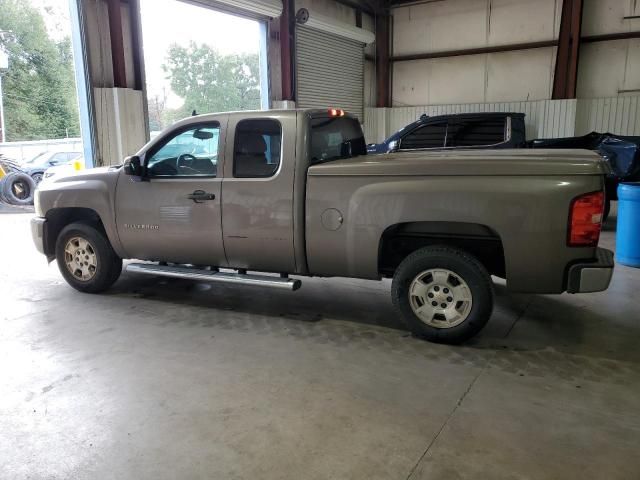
point(213, 276)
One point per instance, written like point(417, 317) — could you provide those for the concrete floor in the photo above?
point(169, 379)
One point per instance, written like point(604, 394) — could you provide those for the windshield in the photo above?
point(336, 138)
point(37, 157)
point(399, 133)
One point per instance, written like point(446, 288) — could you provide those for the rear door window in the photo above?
point(476, 132)
point(257, 148)
point(431, 135)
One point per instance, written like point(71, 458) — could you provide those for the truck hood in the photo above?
point(469, 163)
point(92, 189)
point(65, 174)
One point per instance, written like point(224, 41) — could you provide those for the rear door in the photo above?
point(174, 215)
point(257, 193)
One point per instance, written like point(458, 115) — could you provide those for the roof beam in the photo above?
point(383, 65)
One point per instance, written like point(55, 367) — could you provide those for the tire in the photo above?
point(84, 243)
point(449, 277)
point(18, 189)
point(2, 199)
point(37, 177)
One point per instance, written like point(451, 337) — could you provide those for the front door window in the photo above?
point(190, 153)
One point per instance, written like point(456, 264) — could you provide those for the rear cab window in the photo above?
point(335, 138)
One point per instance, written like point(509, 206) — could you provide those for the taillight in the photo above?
point(336, 112)
point(585, 220)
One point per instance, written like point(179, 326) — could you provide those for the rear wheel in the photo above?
point(86, 259)
point(444, 294)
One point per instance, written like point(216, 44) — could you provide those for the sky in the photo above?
point(170, 21)
point(165, 22)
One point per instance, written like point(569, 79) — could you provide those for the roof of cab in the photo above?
point(263, 113)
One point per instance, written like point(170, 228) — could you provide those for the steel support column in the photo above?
point(566, 72)
point(287, 25)
point(117, 44)
point(83, 83)
point(383, 97)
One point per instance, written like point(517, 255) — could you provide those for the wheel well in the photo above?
point(58, 218)
point(400, 240)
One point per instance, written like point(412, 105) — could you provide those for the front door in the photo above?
point(174, 214)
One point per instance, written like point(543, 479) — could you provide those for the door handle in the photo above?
point(200, 195)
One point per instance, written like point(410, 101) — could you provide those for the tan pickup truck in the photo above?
point(221, 197)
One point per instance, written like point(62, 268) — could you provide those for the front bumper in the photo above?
point(593, 276)
point(37, 233)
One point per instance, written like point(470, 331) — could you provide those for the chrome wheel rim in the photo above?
point(81, 259)
point(440, 298)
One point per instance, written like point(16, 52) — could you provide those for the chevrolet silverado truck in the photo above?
point(258, 197)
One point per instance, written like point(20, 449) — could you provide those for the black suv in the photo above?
point(462, 130)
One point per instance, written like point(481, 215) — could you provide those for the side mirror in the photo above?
point(394, 146)
point(133, 166)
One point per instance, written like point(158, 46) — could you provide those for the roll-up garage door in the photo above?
point(329, 71)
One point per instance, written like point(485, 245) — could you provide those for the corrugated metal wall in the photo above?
point(329, 71)
point(557, 119)
point(619, 115)
point(544, 118)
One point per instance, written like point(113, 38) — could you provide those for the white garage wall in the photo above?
point(464, 24)
point(606, 16)
point(494, 77)
point(607, 69)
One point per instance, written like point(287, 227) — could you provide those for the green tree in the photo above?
point(211, 82)
point(39, 87)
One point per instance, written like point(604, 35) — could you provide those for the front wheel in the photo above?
point(86, 259)
point(444, 294)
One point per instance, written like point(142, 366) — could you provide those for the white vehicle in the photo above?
point(63, 170)
point(37, 165)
